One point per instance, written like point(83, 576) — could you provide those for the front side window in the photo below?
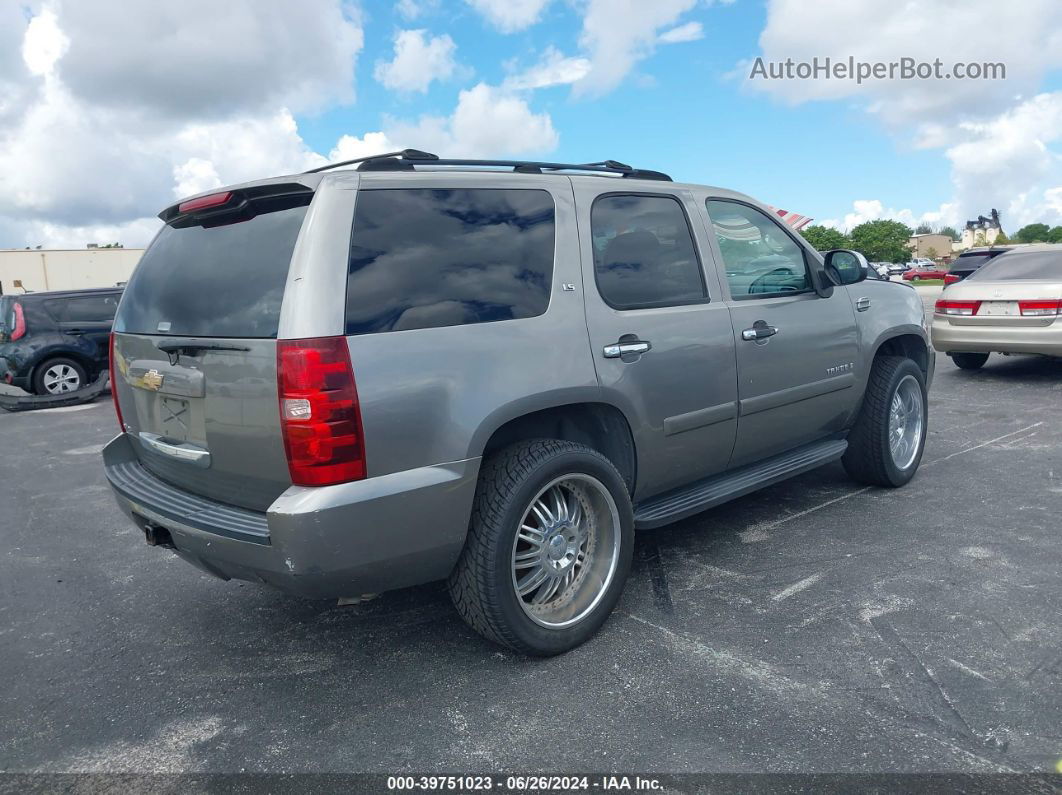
point(422, 258)
point(760, 259)
point(643, 252)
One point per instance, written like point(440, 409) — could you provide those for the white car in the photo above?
point(1011, 304)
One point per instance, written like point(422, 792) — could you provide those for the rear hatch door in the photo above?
point(195, 347)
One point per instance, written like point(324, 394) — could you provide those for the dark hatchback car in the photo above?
point(970, 260)
point(55, 342)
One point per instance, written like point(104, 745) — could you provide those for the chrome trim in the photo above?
point(619, 349)
point(188, 453)
point(863, 304)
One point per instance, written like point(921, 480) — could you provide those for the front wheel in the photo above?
point(969, 361)
point(886, 443)
point(549, 547)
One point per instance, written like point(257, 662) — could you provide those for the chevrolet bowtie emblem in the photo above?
point(153, 380)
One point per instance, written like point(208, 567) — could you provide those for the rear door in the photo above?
point(660, 335)
point(88, 317)
point(195, 350)
point(796, 351)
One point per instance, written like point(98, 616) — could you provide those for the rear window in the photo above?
point(1038, 265)
point(424, 258)
point(219, 281)
point(970, 263)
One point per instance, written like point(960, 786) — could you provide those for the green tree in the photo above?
point(1001, 239)
point(923, 229)
point(1055, 235)
point(932, 253)
point(824, 238)
point(882, 241)
point(1033, 233)
point(950, 232)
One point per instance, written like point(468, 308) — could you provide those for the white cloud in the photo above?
point(350, 147)
point(418, 60)
point(44, 43)
point(509, 16)
point(488, 121)
point(691, 31)
point(617, 34)
point(77, 169)
point(1001, 141)
point(413, 9)
point(201, 58)
point(553, 69)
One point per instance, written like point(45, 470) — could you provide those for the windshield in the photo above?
point(1034, 266)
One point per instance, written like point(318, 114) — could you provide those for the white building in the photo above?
point(65, 269)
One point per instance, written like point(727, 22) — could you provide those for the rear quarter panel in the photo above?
point(431, 396)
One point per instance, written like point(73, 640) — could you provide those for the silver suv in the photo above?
point(344, 382)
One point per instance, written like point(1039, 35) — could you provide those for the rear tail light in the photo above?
point(951, 278)
point(114, 385)
point(1040, 308)
point(319, 412)
point(944, 307)
point(19, 331)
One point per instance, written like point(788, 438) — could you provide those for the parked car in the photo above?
point(970, 260)
point(55, 342)
point(353, 381)
point(879, 270)
point(1010, 304)
point(917, 274)
point(896, 268)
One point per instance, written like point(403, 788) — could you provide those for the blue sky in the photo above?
point(682, 111)
point(111, 110)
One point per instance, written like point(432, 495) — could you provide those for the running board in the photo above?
point(728, 486)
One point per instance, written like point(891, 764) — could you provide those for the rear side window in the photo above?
point(432, 258)
point(87, 309)
point(7, 314)
point(220, 281)
point(1032, 266)
point(643, 252)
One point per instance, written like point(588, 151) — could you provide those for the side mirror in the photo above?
point(843, 266)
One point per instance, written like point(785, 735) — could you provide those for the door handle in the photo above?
point(74, 332)
point(759, 331)
point(863, 304)
point(631, 348)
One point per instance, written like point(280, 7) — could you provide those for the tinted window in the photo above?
point(431, 258)
point(1021, 265)
point(222, 281)
point(643, 252)
point(969, 263)
point(761, 259)
point(7, 314)
point(87, 309)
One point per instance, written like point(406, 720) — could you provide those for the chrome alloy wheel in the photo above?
point(566, 551)
point(906, 415)
point(61, 378)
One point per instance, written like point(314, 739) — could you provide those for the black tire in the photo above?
point(969, 361)
point(482, 584)
point(868, 458)
point(39, 374)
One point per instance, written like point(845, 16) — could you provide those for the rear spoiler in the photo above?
point(235, 204)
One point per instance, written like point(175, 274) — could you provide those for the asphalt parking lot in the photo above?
point(814, 626)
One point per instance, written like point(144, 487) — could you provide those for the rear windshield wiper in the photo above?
point(174, 349)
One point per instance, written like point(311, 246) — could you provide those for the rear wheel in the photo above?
point(549, 547)
point(969, 361)
point(59, 376)
point(885, 444)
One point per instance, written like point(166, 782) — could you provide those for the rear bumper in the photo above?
point(369, 536)
point(1033, 337)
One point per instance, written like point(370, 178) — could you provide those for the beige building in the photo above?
point(65, 269)
point(930, 245)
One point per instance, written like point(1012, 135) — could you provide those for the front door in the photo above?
point(796, 351)
point(661, 337)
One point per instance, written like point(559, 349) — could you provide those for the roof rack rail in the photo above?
point(406, 159)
